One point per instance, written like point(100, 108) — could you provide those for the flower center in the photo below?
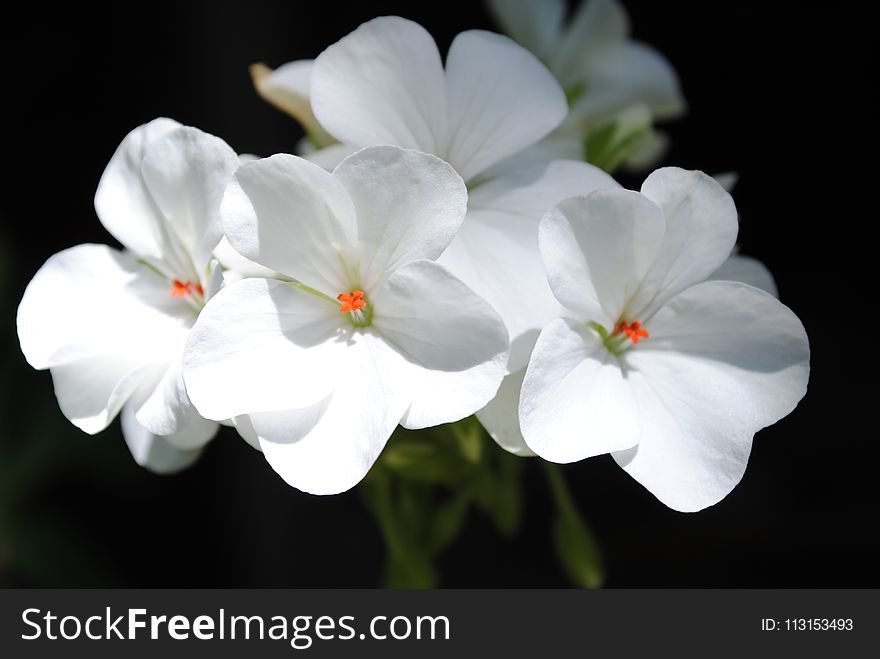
point(633, 331)
point(353, 301)
point(184, 289)
point(355, 305)
point(624, 336)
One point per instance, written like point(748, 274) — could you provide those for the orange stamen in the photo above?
point(185, 288)
point(353, 301)
point(633, 331)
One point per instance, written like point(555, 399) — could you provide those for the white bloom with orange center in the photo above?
point(385, 83)
point(670, 373)
point(500, 417)
point(111, 325)
point(370, 333)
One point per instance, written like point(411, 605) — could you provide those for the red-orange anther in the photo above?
point(633, 331)
point(185, 288)
point(351, 301)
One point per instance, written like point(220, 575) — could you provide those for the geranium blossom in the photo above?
point(372, 332)
point(617, 87)
point(501, 416)
point(385, 83)
point(111, 325)
point(671, 374)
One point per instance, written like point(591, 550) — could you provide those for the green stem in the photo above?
point(312, 291)
point(559, 489)
point(408, 565)
point(384, 511)
point(576, 546)
point(155, 269)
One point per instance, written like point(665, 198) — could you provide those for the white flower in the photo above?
point(372, 332)
point(501, 416)
point(671, 374)
point(385, 83)
point(111, 325)
point(614, 83)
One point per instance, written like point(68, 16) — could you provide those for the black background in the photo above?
point(779, 92)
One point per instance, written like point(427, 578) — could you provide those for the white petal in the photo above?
point(648, 151)
point(246, 430)
point(536, 24)
point(497, 258)
point(289, 215)
point(91, 391)
point(262, 345)
point(723, 361)
point(409, 206)
point(383, 84)
point(575, 401)
point(727, 180)
point(329, 447)
point(500, 417)
point(597, 25)
point(91, 300)
point(496, 251)
point(329, 157)
point(154, 452)
point(122, 201)
point(455, 344)
point(564, 143)
point(288, 88)
point(531, 189)
point(238, 267)
point(747, 270)
point(187, 171)
point(214, 278)
point(164, 408)
point(193, 432)
point(627, 73)
point(501, 100)
point(701, 228)
point(102, 322)
point(597, 250)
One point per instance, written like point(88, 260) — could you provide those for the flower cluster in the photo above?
point(449, 242)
